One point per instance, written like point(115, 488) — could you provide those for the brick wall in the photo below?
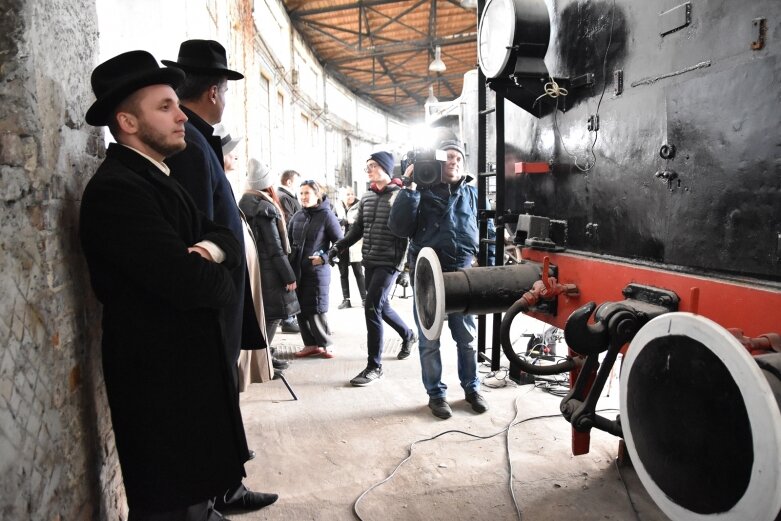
point(57, 455)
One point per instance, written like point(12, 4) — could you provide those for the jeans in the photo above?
point(463, 330)
point(379, 281)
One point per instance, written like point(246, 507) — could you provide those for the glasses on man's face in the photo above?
point(370, 166)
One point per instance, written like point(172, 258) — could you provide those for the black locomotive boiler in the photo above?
point(635, 151)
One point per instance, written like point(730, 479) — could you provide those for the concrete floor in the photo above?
point(323, 451)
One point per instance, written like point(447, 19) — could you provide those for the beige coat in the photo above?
point(254, 364)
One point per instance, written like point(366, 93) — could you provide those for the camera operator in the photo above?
point(443, 216)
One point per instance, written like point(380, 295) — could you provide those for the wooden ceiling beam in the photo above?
point(405, 47)
point(297, 14)
point(418, 81)
point(397, 18)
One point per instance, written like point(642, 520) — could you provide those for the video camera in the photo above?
point(428, 165)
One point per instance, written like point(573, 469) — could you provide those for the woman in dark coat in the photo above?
point(264, 216)
point(312, 231)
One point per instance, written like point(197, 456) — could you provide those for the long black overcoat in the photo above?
point(275, 271)
point(313, 230)
point(174, 406)
point(199, 168)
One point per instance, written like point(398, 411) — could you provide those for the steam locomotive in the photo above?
point(635, 150)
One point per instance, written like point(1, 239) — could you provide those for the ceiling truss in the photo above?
point(381, 49)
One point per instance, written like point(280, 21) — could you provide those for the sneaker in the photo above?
point(345, 304)
point(440, 408)
point(406, 346)
point(279, 364)
point(478, 403)
point(367, 377)
point(290, 326)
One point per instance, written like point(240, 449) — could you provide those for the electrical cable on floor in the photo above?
point(455, 431)
point(626, 488)
point(512, 424)
point(501, 375)
point(557, 385)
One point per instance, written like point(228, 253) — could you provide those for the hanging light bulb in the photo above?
point(431, 98)
point(469, 4)
point(437, 65)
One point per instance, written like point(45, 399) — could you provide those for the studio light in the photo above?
point(431, 98)
point(437, 65)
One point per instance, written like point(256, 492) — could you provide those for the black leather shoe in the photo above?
point(247, 503)
point(440, 408)
point(279, 364)
point(478, 403)
point(252, 454)
point(216, 516)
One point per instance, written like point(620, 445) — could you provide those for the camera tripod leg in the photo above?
point(284, 380)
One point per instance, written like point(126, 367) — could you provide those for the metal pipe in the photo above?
point(482, 291)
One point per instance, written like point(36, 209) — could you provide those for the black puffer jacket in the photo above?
point(275, 271)
point(380, 246)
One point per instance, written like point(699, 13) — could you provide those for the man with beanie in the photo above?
point(174, 409)
point(443, 217)
point(200, 170)
point(383, 258)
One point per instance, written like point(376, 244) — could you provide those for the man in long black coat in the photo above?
point(163, 274)
point(200, 170)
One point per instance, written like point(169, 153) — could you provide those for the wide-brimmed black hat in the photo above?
point(203, 57)
point(119, 77)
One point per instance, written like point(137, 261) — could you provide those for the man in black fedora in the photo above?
point(163, 274)
point(200, 170)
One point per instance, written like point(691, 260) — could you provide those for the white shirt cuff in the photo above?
point(215, 251)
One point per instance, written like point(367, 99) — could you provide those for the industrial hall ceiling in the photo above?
point(382, 49)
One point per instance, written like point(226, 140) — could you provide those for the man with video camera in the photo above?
point(440, 212)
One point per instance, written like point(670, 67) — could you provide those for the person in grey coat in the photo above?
point(261, 207)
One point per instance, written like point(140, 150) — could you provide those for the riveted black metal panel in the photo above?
point(714, 204)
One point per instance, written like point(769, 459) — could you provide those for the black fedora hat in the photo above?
point(203, 57)
point(117, 78)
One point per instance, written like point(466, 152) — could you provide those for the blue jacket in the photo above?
point(443, 217)
point(313, 230)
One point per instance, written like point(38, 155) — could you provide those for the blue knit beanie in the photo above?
point(385, 160)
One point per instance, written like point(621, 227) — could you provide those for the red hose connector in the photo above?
point(763, 344)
